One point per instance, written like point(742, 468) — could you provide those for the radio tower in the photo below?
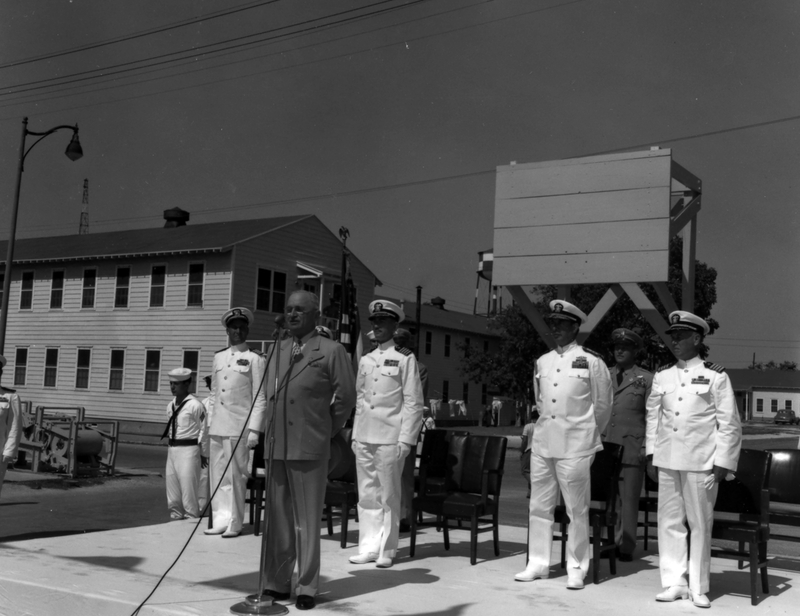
point(84, 228)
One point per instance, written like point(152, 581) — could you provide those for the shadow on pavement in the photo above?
point(47, 534)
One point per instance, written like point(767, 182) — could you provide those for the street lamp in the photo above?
point(73, 152)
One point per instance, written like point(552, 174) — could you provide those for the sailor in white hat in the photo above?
point(572, 390)
point(236, 388)
point(10, 425)
point(694, 436)
point(188, 446)
point(387, 422)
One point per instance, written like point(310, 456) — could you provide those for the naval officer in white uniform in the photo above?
point(387, 422)
point(694, 436)
point(237, 387)
point(10, 425)
point(572, 389)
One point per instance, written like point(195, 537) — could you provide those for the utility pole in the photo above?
point(84, 227)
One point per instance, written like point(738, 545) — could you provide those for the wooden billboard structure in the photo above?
point(596, 220)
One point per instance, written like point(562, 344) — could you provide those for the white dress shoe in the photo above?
point(384, 562)
point(230, 534)
point(363, 559)
point(215, 531)
point(575, 582)
point(531, 574)
point(673, 593)
point(700, 600)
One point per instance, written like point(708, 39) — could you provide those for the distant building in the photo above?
point(98, 320)
point(442, 332)
point(760, 394)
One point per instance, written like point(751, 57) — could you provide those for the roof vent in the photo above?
point(438, 302)
point(176, 217)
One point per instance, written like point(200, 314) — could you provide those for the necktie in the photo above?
point(619, 378)
point(295, 350)
point(172, 423)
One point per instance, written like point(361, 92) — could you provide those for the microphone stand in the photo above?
point(261, 603)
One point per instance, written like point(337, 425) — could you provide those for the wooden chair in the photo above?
point(342, 489)
point(648, 504)
point(784, 491)
point(256, 482)
point(744, 505)
point(603, 514)
point(470, 490)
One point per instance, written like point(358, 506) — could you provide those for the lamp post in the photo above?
point(73, 152)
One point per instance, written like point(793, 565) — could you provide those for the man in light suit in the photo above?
point(572, 390)
point(236, 388)
point(694, 436)
point(627, 428)
point(10, 425)
point(316, 394)
point(388, 420)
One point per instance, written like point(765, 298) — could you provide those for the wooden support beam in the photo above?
point(688, 268)
point(665, 296)
point(688, 179)
point(530, 311)
point(648, 310)
point(599, 311)
point(685, 216)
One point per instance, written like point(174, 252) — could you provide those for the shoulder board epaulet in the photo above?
point(714, 367)
point(403, 350)
point(256, 351)
point(221, 350)
point(8, 389)
point(666, 367)
point(595, 353)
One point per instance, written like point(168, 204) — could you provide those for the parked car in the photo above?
point(786, 416)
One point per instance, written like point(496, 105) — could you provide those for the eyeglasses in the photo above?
point(294, 310)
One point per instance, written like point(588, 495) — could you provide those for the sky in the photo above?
point(390, 118)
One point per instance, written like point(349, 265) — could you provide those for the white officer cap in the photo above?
point(324, 331)
point(562, 309)
point(680, 319)
point(238, 313)
point(179, 374)
point(381, 308)
point(2, 362)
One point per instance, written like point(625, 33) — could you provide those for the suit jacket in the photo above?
point(316, 394)
point(629, 413)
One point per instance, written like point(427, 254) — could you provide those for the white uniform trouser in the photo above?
point(547, 476)
point(682, 496)
point(379, 492)
point(203, 492)
point(183, 473)
point(228, 503)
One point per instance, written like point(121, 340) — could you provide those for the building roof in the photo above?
point(447, 319)
point(209, 237)
point(746, 379)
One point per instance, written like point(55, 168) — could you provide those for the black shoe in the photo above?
point(625, 558)
point(277, 595)
point(305, 602)
point(405, 527)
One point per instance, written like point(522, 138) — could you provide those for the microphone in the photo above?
point(280, 323)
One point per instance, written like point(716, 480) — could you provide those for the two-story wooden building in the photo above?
point(98, 320)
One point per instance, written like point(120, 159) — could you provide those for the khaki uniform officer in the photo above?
point(572, 390)
point(236, 387)
point(10, 426)
point(627, 428)
point(388, 420)
point(188, 447)
point(694, 435)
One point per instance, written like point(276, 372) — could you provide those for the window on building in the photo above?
point(20, 366)
point(465, 392)
point(89, 286)
point(466, 346)
point(123, 287)
point(271, 290)
point(82, 368)
point(428, 342)
point(57, 289)
point(152, 370)
point(50, 367)
point(447, 345)
point(445, 391)
point(773, 406)
point(760, 405)
point(191, 359)
point(485, 346)
point(26, 293)
point(484, 394)
point(787, 404)
point(2, 282)
point(194, 294)
point(117, 369)
point(158, 283)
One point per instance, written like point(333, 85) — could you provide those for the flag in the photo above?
point(349, 321)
